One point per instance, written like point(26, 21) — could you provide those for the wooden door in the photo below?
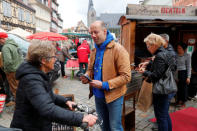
point(128, 38)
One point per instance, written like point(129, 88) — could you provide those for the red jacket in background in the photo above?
point(82, 52)
point(76, 41)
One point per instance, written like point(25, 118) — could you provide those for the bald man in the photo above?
point(109, 69)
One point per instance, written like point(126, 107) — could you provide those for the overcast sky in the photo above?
point(73, 11)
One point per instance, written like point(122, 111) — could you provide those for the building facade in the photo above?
point(81, 28)
point(56, 20)
point(60, 24)
point(184, 2)
point(43, 15)
point(54, 16)
point(156, 2)
point(16, 13)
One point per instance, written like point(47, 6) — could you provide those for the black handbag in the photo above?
point(166, 84)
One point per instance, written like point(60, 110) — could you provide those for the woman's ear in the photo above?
point(43, 61)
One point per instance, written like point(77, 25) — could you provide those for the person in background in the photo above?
point(9, 97)
point(167, 45)
point(76, 41)
point(192, 90)
point(63, 55)
point(12, 58)
point(184, 73)
point(36, 104)
point(110, 71)
point(172, 53)
point(82, 52)
point(154, 44)
point(78, 44)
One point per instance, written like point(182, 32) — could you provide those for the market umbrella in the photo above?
point(47, 36)
point(20, 32)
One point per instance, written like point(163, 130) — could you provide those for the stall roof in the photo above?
point(160, 19)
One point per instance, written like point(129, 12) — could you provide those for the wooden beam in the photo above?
point(132, 40)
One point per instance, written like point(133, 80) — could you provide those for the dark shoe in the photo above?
point(189, 98)
point(155, 127)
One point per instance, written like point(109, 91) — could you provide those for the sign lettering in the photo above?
point(172, 10)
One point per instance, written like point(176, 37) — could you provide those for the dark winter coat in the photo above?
point(158, 67)
point(36, 105)
point(172, 56)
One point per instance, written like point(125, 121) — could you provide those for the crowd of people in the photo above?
point(107, 71)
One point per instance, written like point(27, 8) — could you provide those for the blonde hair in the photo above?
point(154, 39)
point(39, 49)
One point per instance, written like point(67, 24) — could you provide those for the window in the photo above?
point(20, 14)
point(33, 18)
point(25, 2)
point(28, 17)
point(54, 6)
point(40, 1)
point(45, 3)
point(53, 25)
point(54, 15)
point(7, 9)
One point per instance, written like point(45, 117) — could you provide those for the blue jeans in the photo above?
point(110, 113)
point(161, 107)
point(170, 96)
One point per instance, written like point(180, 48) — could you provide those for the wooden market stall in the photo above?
point(180, 23)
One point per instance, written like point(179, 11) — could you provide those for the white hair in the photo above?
point(165, 36)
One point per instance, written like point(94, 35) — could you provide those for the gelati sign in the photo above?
point(158, 10)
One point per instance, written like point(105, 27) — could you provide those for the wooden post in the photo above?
point(132, 40)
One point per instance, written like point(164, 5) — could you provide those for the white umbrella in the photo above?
point(20, 32)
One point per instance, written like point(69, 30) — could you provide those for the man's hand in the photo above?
point(141, 70)
point(90, 119)
point(69, 104)
point(83, 79)
point(143, 65)
point(96, 84)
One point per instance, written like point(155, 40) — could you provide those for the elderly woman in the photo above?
point(159, 66)
point(36, 105)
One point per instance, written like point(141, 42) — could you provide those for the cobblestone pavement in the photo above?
point(80, 91)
